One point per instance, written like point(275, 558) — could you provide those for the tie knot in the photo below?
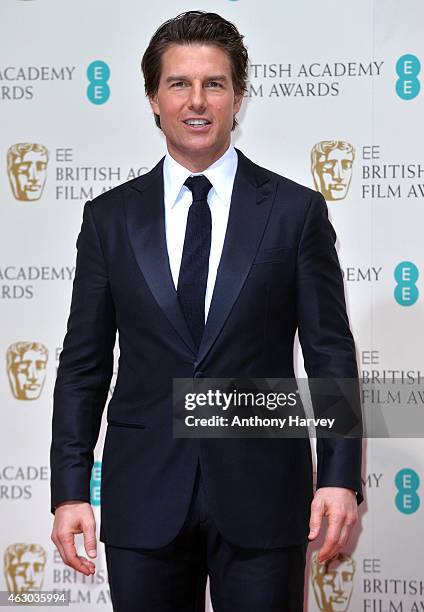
point(199, 187)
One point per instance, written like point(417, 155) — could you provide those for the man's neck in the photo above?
point(200, 162)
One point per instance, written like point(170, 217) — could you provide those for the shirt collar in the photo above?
point(221, 174)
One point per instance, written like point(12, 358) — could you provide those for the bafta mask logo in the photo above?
point(333, 582)
point(27, 170)
point(24, 567)
point(26, 369)
point(331, 165)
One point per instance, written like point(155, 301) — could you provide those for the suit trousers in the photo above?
point(173, 578)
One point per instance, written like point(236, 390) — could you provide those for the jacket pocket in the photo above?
point(114, 423)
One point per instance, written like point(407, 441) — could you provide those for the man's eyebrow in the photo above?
point(182, 77)
point(219, 77)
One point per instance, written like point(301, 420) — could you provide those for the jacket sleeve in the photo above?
point(328, 347)
point(84, 372)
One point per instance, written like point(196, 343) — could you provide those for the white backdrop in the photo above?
point(322, 71)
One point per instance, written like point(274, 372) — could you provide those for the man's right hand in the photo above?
point(70, 518)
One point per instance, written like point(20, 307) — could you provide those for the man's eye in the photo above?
point(178, 84)
point(214, 84)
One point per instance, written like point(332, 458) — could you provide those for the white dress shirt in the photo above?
point(178, 199)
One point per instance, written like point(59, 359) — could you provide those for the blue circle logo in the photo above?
point(95, 483)
point(98, 74)
point(407, 483)
point(406, 275)
point(408, 68)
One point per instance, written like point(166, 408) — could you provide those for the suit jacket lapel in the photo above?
point(146, 230)
point(251, 202)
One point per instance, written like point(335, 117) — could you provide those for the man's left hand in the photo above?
point(339, 505)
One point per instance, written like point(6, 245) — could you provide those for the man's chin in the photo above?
point(197, 148)
point(198, 144)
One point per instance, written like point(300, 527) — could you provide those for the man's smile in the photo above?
point(197, 124)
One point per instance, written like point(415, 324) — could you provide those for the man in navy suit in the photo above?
point(206, 265)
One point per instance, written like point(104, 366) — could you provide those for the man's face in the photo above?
point(196, 103)
point(334, 172)
point(29, 175)
point(26, 573)
point(28, 371)
point(334, 587)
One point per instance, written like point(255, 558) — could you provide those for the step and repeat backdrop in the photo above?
point(334, 102)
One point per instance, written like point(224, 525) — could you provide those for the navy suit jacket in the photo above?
point(278, 272)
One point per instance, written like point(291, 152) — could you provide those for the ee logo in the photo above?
point(407, 499)
point(406, 276)
point(95, 482)
point(98, 74)
point(408, 68)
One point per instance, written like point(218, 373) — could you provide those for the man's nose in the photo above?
point(197, 100)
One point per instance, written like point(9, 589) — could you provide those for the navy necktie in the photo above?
point(194, 267)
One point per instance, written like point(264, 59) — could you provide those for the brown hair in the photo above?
point(195, 27)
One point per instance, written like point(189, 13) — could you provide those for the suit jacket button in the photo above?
point(199, 375)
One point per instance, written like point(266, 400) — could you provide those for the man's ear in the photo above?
point(154, 104)
point(238, 99)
